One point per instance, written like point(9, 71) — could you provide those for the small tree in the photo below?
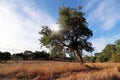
point(73, 34)
point(108, 51)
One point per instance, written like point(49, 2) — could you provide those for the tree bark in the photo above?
point(79, 56)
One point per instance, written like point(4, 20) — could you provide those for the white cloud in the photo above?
point(20, 22)
point(106, 13)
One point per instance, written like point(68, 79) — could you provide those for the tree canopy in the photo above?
point(73, 34)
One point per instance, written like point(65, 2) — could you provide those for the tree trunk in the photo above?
point(79, 56)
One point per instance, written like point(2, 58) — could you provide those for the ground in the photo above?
point(55, 70)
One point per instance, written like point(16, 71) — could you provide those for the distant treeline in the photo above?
point(111, 53)
point(29, 55)
point(26, 55)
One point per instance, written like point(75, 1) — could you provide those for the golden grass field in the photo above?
point(54, 70)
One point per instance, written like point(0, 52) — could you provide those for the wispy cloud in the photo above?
point(106, 14)
point(90, 5)
point(20, 22)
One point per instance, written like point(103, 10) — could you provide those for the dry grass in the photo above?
point(50, 70)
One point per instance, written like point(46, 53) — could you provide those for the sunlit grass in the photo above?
point(51, 70)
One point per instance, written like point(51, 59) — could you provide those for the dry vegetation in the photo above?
point(50, 70)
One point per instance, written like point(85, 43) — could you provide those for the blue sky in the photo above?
point(21, 20)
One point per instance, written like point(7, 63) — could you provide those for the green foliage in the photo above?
point(73, 33)
point(40, 55)
point(106, 53)
point(118, 45)
point(4, 56)
point(101, 58)
point(58, 56)
point(118, 57)
point(86, 58)
point(115, 57)
point(92, 59)
point(18, 56)
point(109, 53)
point(89, 58)
point(29, 55)
point(47, 36)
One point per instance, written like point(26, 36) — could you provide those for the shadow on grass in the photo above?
point(89, 69)
point(85, 70)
